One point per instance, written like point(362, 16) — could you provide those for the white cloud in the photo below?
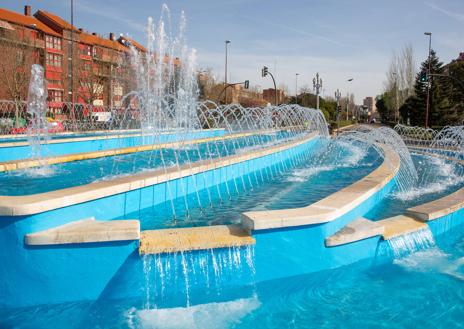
point(451, 14)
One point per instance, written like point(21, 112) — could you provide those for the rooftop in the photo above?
point(24, 20)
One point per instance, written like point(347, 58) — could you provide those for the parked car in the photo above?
point(53, 127)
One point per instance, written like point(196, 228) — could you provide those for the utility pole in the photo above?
point(429, 81)
point(73, 115)
point(317, 85)
point(225, 74)
point(296, 87)
point(338, 94)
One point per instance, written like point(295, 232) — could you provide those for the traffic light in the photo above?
point(423, 76)
point(264, 71)
point(246, 85)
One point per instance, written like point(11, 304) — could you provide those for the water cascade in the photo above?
point(368, 136)
point(190, 271)
point(406, 244)
point(442, 149)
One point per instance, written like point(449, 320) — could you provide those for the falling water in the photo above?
point(443, 152)
point(191, 270)
point(370, 137)
point(406, 244)
point(37, 130)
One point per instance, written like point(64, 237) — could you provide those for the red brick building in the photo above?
point(269, 96)
point(80, 67)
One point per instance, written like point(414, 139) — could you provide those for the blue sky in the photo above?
point(340, 39)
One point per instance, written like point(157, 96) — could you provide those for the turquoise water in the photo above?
point(273, 189)
point(23, 138)
point(437, 178)
point(421, 290)
point(53, 177)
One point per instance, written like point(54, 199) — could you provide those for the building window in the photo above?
point(55, 95)
point(97, 52)
point(85, 50)
point(53, 42)
point(53, 82)
point(54, 59)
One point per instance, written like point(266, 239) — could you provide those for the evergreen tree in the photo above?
point(415, 106)
point(453, 87)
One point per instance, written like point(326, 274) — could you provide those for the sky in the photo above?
point(340, 39)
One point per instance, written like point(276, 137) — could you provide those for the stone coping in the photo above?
point(438, 208)
point(331, 207)
point(86, 231)
point(41, 202)
point(193, 238)
point(357, 230)
point(400, 225)
point(89, 138)
point(30, 163)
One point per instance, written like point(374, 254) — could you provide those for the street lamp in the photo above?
point(429, 34)
point(317, 85)
point(296, 87)
point(338, 95)
point(348, 100)
point(397, 117)
point(225, 75)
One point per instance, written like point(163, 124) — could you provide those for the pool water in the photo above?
point(438, 177)
point(23, 138)
point(59, 176)
point(421, 290)
point(294, 188)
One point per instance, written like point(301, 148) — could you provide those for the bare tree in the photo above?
point(91, 80)
point(400, 80)
point(15, 71)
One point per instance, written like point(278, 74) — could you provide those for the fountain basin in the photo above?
point(55, 147)
point(77, 263)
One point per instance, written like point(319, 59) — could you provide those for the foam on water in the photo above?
point(433, 260)
point(43, 171)
point(204, 316)
point(303, 174)
point(438, 176)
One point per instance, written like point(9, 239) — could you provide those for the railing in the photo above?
point(64, 117)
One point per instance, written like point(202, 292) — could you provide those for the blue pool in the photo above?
point(59, 176)
point(437, 177)
point(424, 289)
point(99, 143)
point(284, 276)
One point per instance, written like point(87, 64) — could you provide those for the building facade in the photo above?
point(80, 67)
point(369, 103)
point(269, 96)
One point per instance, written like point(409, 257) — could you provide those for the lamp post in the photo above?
point(348, 100)
point(397, 117)
point(317, 85)
point(296, 87)
point(429, 81)
point(338, 94)
point(225, 74)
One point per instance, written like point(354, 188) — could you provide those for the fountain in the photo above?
point(37, 130)
point(168, 233)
